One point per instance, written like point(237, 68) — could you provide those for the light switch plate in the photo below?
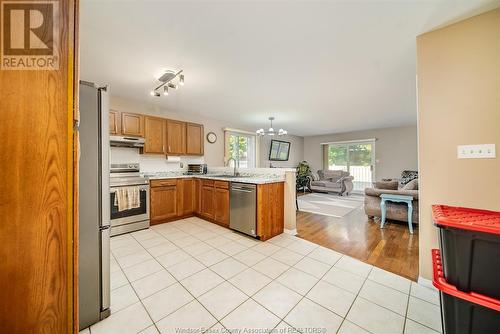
point(483, 151)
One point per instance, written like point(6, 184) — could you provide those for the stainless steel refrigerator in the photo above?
point(94, 205)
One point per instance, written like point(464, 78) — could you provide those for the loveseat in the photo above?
point(336, 181)
point(394, 211)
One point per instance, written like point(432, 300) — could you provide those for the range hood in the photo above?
point(122, 141)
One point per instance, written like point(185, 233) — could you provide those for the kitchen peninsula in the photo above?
point(175, 196)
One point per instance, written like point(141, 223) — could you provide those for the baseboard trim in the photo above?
point(292, 232)
point(425, 282)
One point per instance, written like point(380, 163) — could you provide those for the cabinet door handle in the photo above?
point(116, 128)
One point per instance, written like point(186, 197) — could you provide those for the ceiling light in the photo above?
point(270, 131)
point(167, 81)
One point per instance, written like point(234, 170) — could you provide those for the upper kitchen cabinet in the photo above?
point(176, 137)
point(154, 135)
point(194, 139)
point(114, 122)
point(132, 124)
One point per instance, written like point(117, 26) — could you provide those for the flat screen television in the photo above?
point(279, 150)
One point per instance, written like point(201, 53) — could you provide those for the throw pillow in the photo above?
point(412, 185)
point(386, 185)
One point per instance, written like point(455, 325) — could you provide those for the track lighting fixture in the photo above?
point(270, 131)
point(170, 79)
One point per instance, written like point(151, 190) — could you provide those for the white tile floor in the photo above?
point(192, 276)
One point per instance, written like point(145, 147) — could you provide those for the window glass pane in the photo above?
point(337, 157)
point(242, 149)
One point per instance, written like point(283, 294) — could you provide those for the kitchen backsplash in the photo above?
point(152, 163)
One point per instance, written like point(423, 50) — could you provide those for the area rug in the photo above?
point(329, 204)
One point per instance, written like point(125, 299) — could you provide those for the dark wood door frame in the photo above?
point(38, 210)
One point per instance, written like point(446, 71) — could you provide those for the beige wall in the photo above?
point(458, 71)
point(395, 149)
point(296, 151)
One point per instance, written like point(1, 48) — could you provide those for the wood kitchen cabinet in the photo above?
point(207, 199)
point(132, 124)
point(176, 137)
point(188, 197)
point(114, 122)
point(194, 139)
point(154, 135)
point(163, 200)
point(270, 210)
point(221, 204)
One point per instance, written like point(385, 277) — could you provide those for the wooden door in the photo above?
point(176, 137)
point(221, 203)
point(194, 139)
point(114, 122)
point(132, 124)
point(39, 197)
point(163, 203)
point(207, 201)
point(154, 135)
point(188, 196)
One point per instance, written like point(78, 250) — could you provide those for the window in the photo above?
point(241, 147)
point(357, 158)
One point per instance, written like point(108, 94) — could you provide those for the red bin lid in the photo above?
point(442, 285)
point(466, 218)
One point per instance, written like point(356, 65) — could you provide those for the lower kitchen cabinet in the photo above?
point(163, 203)
point(221, 203)
point(270, 210)
point(207, 201)
point(188, 197)
point(172, 199)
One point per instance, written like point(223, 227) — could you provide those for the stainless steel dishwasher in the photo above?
point(243, 211)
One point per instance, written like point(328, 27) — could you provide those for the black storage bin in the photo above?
point(462, 312)
point(470, 245)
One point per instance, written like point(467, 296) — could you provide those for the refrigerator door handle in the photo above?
point(105, 271)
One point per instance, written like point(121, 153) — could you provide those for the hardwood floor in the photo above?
point(392, 248)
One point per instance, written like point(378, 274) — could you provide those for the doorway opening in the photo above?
point(356, 157)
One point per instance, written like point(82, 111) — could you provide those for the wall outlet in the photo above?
point(483, 151)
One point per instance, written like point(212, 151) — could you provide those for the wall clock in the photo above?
point(211, 137)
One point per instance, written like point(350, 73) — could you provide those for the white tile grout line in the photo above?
point(250, 297)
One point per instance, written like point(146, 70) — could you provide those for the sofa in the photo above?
point(394, 211)
point(336, 181)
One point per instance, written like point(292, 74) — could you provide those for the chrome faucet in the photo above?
point(235, 173)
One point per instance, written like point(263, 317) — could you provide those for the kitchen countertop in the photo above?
point(253, 179)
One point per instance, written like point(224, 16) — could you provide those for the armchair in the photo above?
point(336, 181)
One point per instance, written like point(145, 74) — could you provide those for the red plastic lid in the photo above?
point(439, 282)
point(466, 218)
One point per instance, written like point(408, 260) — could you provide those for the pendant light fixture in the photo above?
point(270, 131)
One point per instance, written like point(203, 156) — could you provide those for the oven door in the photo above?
point(132, 215)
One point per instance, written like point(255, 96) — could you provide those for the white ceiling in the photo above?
point(318, 67)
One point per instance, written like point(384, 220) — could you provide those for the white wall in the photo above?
point(395, 149)
point(296, 151)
